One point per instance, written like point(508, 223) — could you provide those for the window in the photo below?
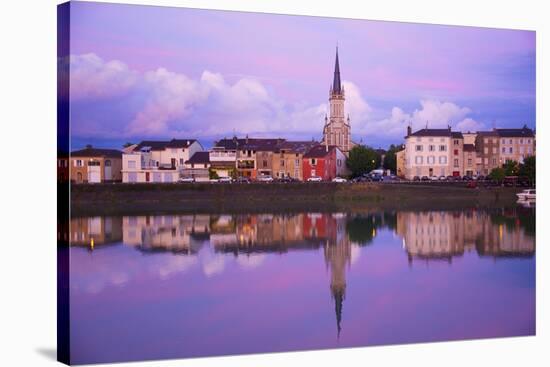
point(313, 162)
point(282, 162)
point(486, 150)
point(431, 159)
point(431, 148)
point(494, 150)
point(528, 141)
point(418, 159)
point(442, 148)
point(503, 141)
point(494, 161)
point(521, 141)
point(181, 161)
point(339, 162)
point(264, 163)
point(469, 161)
point(503, 150)
point(510, 150)
point(455, 142)
point(455, 163)
point(78, 163)
point(107, 163)
point(297, 162)
point(418, 148)
point(486, 141)
point(131, 164)
point(510, 141)
point(442, 160)
point(456, 151)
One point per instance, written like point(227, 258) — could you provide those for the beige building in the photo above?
point(95, 165)
point(400, 160)
point(430, 152)
point(287, 159)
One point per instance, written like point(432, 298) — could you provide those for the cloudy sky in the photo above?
point(158, 72)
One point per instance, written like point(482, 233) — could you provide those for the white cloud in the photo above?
point(91, 77)
point(162, 103)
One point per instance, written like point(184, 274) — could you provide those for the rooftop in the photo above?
point(97, 152)
point(319, 151)
point(199, 158)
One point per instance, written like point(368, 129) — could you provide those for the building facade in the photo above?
point(288, 159)
point(94, 165)
point(157, 161)
point(430, 152)
point(337, 129)
point(322, 161)
point(198, 167)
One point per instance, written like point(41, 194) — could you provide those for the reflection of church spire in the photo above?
point(338, 294)
point(338, 256)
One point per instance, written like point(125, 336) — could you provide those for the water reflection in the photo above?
point(426, 236)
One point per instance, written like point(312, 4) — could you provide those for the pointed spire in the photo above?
point(336, 84)
point(338, 300)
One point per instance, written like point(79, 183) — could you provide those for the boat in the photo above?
point(525, 195)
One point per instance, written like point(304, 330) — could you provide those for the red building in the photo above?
point(320, 161)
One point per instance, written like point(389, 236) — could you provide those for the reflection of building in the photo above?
point(102, 230)
point(176, 233)
point(444, 234)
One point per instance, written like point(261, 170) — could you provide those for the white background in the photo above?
point(27, 179)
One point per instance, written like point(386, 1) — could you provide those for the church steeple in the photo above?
point(336, 84)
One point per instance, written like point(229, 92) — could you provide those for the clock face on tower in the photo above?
point(337, 130)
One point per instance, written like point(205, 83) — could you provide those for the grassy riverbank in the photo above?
point(117, 199)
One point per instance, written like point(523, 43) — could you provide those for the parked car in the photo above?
point(265, 178)
point(186, 179)
point(434, 178)
point(285, 180)
point(467, 178)
point(339, 180)
point(242, 179)
point(225, 180)
point(376, 178)
point(424, 178)
point(442, 178)
point(416, 178)
point(314, 179)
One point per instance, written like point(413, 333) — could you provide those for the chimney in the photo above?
point(409, 130)
point(246, 138)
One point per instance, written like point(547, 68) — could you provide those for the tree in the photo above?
point(362, 160)
point(213, 175)
point(511, 168)
point(528, 169)
point(390, 158)
point(497, 174)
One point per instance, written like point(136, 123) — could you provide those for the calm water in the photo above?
point(172, 286)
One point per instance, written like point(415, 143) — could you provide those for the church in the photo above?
point(337, 129)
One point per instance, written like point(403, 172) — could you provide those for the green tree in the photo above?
point(362, 160)
point(528, 169)
point(511, 168)
point(213, 174)
point(497, 174)
point(390, 158)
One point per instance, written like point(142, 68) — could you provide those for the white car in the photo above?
point(314, 179)
point(339, 180)
point(225, 179)
point(434, 178)
point(265, 179)
point(186, 179)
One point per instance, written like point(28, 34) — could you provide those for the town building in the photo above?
point(470, 160)
point(495, 147)
point(400, 163)
point(157, 161)
point(337, 129)
point(95, 165)
point(288, 158)
point(198, 167)
point(223, 157)
point(325, 161)
point(430, 152)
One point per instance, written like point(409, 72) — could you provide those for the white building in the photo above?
point(157, 161)
point(428, 152)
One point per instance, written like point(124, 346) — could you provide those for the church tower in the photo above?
point(337, 130)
